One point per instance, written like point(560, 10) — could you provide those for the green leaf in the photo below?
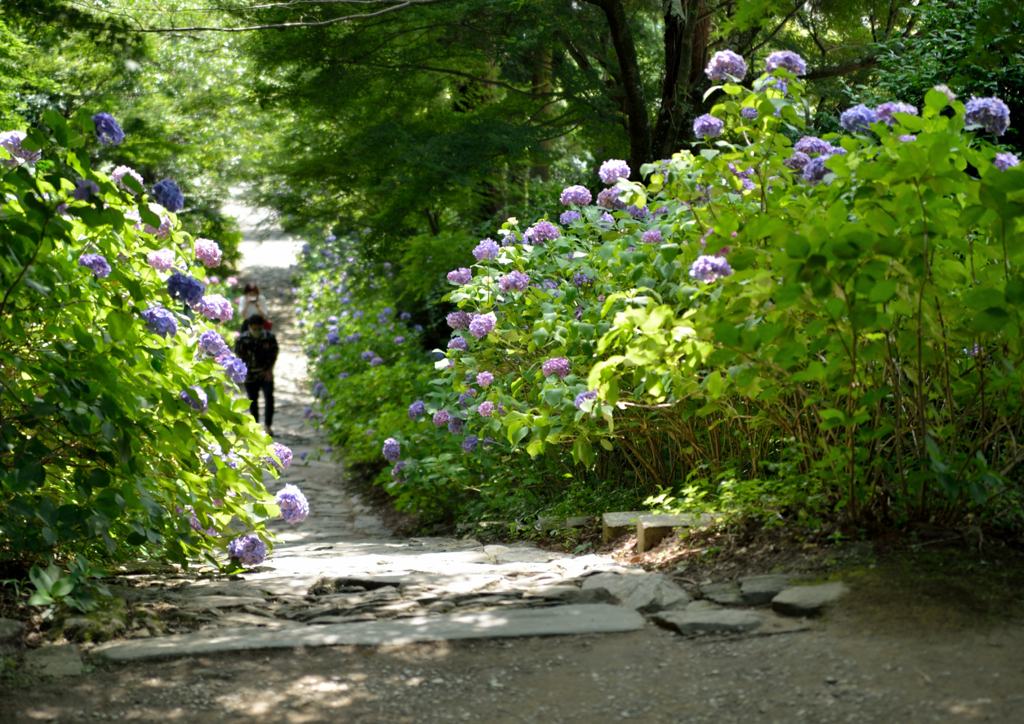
point(882, 291)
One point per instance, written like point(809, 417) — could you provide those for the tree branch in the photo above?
point(847, 66)
point(794, 11)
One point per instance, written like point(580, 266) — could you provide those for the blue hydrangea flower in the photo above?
point(107, 129)
point(612, 170)
point(458, 320)
point(516, 280)
point(248, 549)
point(858, 118)
point(555, 366)
point(811, 145)
point(367, 355)
point(96, 264)
point(482, 324)
point(293, 504)
point(376, 362)
point(185, 288)
point(458, 343)
point(542, 231)
point(460, 276)
point(168, 194)
point(885, 110)
point(569, 216)
point(343, 375)
point(786, 59)
point(584, 396)
point(581, 280)
point(212, 343)
point(196, 398)
point(991, 113)
point(455, 425)
point(85, 189)
point(392, 450)
point(486, 249)
point(725, 64)
point(709, 268)
point(1004, 161)
point(160, 321)
point(400, 339)
point(484, 379)
point(707, 126)
point(749, 113)
point(815, 170)
point(416, 409)
point(235, 368)
point(609, 199)
point(578, 195)
point(470, 443)
point(396, 472)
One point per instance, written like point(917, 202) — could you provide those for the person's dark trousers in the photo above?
point(253, 390)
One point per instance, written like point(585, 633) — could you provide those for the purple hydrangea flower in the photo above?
point(185, 288)
point(208, 252)
point(248, 549)
point(160, 321)
point(458, 343)
point(293, 504)
point(416, 409)
point(235, 368)
point(637, 213)
point(441, 418)
point(991, 113)
point(1004, 161)
point(392, 450)
point(709, 268)
point(606, 220)
point(396, 472)
point(405, 316)
point(470, 443)
point(555, 366)
point(811, 145)
point(107, 129)
point(85, 189)
point(333, 337)
point(455, 425)
point(486, 409)
point(726, 63)
point(569, 216)
point(484, 379)
point(542, 231)
point(11, 141)
point(584, 396)
point(196, 398)
point(460, 276)
point(578, 195)
point(797, 161)
point(609, 199)
point(118, 174)
point(343, 375)
point(815, 170)
point(786, 59)
point(486, 249)
point(161, 259)
point(612, 170)
point(168, 194)
point(651, 236)
point(212, 343)
point(376, 362)
point(482, 324)
point(580, 279)
point(96, 264)
point(749, 113)
point(517, 281)
point(466, 397)
point(885, 110)
point(458, 320)
point(858, 118)
point(399, 339)
point(907, 137)
point(281, 458)
point(367, 355)
point(215, 306)
point(707, 126)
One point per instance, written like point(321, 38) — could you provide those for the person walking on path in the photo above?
point(257, 347)
point(251, 302)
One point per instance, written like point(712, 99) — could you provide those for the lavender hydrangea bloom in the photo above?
point(486, 249)
point(11, 141)
point(392, 450)
point(85, 189)
point(466, 397)
point(991, 113)
point(786, 59)
point(577, 195)
point(293, 504)
point(484, 379)
point(797, 161)
point(367, 355)
point(168, 194)
point(165, 221)
point(885, 110)
point(1004, 161)
point(555, 366)
point(416, 409)
point(482, 324)
point(470, 443)
point(185, 288)
point(196, 398)
point(749, 113)
point(612, 170)
point(248, 549)
point(96, 264)
point(376, 362)
point(569, 216)
point(235, 368)
point(405, 316)
point(815, 170)
point(333, 337)
point(455, 425)
point(212, 343)
point(458, 343)
point(458, 320)
point(208, 252)
point(517, 281)
point(118, 174)
point(281, 458)
point(651, 236)
point(609, 199)
point(812, 145)
point(486, 409)
point(906, 137)
point(857, 118)
point(396, 472)
point(707, 126)
point(581, 280)
point(400, 339)
point(107, 129)
point(542, 231)
point(441, 418)
point(725, 64)
point(606, 220)
point(709, 268)
point(460, 276)
point(215, 306)
point(584, 396)
point(343, 375)
point(160, 321)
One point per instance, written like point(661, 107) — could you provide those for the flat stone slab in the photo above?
point(646, 592)
point(11, 633)
point(556, 621)
point(724, 594)
point(808, 600)
point(63, 660)
point(616, 525)
point(652, 528)
point(709, 621)
point(760, 590)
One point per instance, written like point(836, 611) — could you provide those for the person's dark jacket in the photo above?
point(259, 354)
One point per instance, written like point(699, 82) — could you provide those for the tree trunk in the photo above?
point(686, 43)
